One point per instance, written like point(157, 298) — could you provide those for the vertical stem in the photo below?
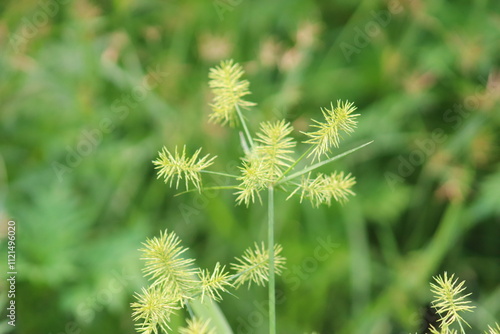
point(244, 124)
point(270, 235)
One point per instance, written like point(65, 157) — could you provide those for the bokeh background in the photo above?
point(91, 90)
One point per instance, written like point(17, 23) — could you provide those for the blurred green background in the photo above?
point(91, 90)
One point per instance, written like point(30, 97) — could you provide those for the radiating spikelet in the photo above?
point(153, 309)
point(442, 330)
point(253, 266)
point(493, 330)
point(166, 267)
point(228, 92)
point(179, 165)
point(324, 188)
point(447, 300)
point(197, 326)
point(328, 134)
point(254, 178)
point(275, 146)
point(267, 161)
point(214, 283)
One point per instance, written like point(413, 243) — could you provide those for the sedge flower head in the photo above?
point(197, 326)
point(275, 146)
point(267, 161)
point(253, 266)
point(324, 188)
point(179, 166)
point(338, 120)
point(254, 178)
point(448, 301)
point(166, 266)
point(229, 90)
point(493, 330)
point(213, 283)
point(153, 309)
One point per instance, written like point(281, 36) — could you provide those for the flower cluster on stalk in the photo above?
point(270, 161)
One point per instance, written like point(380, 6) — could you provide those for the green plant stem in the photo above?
point(321, 163)
point(206, 188)
point(244, 124)
point(270, 235)
point(295, 163)
point(218, 173)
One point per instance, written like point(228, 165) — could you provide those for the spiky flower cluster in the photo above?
point(270, 156)
point(175, 281)
point(179, 165)
point(253, 266)
point(212, 284)
point(493, 330)
point(165, 266)
point(328, 134)
point(254, 176)
point(153, 309)
point(324, 188)
point(275, 147)
point(228, 90)
point(449, 303)
point(197, 326)
point(267, 161)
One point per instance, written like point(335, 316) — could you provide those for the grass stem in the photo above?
point(321, 163)
point(270, 235)
point(244, 124)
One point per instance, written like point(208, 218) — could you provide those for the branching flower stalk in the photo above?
point(269, 164)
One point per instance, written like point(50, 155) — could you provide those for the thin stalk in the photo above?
point(321, 163)
point(295, 163)
point(206, 188)
point(218, 173)
point(270, 235)
point(244, 124)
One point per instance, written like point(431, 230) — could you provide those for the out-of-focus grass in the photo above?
point(426, 82)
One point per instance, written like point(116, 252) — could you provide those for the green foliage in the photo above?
point(424, 76)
